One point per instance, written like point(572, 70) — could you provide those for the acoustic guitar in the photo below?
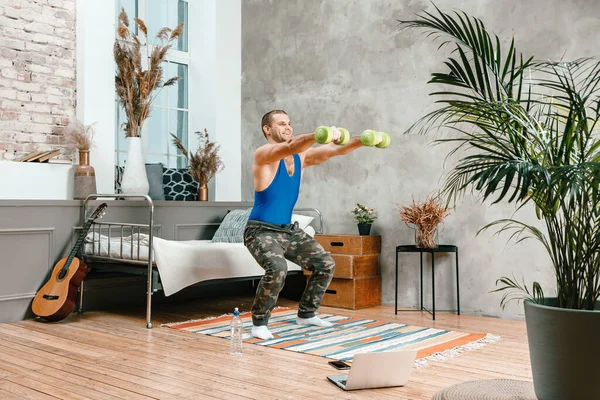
point(56, 299)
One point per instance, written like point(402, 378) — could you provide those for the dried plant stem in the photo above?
point(425, 238)
point(138, 87)
point(206, 162)
point(79, 136)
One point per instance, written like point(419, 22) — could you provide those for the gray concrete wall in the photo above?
point(345, 63)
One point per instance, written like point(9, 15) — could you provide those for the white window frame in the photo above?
point(176, 56)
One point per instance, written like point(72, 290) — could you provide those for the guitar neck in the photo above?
point(80, 240)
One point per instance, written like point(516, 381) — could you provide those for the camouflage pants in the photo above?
point(271, 245)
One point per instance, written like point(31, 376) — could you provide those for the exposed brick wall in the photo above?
point(37, 74)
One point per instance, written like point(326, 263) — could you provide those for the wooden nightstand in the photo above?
point(356, 281)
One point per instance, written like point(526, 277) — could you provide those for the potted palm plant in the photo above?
point(533, 142)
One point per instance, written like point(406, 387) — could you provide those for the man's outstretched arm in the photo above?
point(270, 153)
point(319, 155)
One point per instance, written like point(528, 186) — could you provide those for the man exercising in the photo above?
point(270, 236)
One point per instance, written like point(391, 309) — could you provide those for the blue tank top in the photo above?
point(276, 203)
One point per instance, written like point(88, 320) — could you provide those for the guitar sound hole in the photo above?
point(337, 244)
point(50, 297)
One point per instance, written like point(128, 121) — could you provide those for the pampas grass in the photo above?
point(206, 162)
point(425, 216)
point(137, 87)
point(79, 136)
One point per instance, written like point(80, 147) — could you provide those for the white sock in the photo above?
point(313, 321)
point(262, 332)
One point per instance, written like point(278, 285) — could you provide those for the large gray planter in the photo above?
point(564, 347)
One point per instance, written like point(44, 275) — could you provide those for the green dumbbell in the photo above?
point(374, 138)
point(324, 134)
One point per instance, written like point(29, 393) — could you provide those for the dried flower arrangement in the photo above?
point(364, 214)
point(425, 216)
point(137, 88)
point(206, 162)
point(79, 136)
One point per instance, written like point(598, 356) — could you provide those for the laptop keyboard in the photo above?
point(343, 382)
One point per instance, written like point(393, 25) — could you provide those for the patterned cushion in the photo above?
point(232, 228)
point(179, 184)
point(118, 178)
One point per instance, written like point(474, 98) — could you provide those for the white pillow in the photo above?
point(303, 220)
point(310, 231)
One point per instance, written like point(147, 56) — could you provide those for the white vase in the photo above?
point(135, 180)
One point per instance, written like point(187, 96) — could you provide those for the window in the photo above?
point(170, 108)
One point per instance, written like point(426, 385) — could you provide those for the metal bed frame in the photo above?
point(133, 264)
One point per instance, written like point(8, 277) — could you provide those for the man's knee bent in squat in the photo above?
point(323, 264)
point(275, 270)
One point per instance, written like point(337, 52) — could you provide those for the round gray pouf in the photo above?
point(491, 389)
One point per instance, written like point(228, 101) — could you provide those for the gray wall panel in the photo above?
point(27, 259)
point(198, 231)
point(35, 234)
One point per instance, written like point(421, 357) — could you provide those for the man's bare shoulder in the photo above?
point(265, 146)
point(261, 151)
point(269, 154)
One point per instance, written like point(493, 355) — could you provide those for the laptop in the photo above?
point(377, 370)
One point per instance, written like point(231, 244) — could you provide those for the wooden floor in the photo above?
point(106, 355)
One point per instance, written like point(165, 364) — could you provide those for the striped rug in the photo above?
point(347, 337)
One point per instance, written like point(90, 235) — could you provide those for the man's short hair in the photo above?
point(266, 119)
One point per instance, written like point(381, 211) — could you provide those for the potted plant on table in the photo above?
point(425, 216)
point(533, 142)
point(137, 85)
point(365, 217)
point(204, 164)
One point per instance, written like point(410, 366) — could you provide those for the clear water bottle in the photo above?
point(236, 333)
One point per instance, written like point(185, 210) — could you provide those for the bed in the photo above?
point(171, 265)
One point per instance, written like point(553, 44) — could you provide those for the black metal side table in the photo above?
point(443, 248)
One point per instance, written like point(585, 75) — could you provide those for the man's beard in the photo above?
point(284, 137)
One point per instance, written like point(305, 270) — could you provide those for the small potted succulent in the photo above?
point(365, 217)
